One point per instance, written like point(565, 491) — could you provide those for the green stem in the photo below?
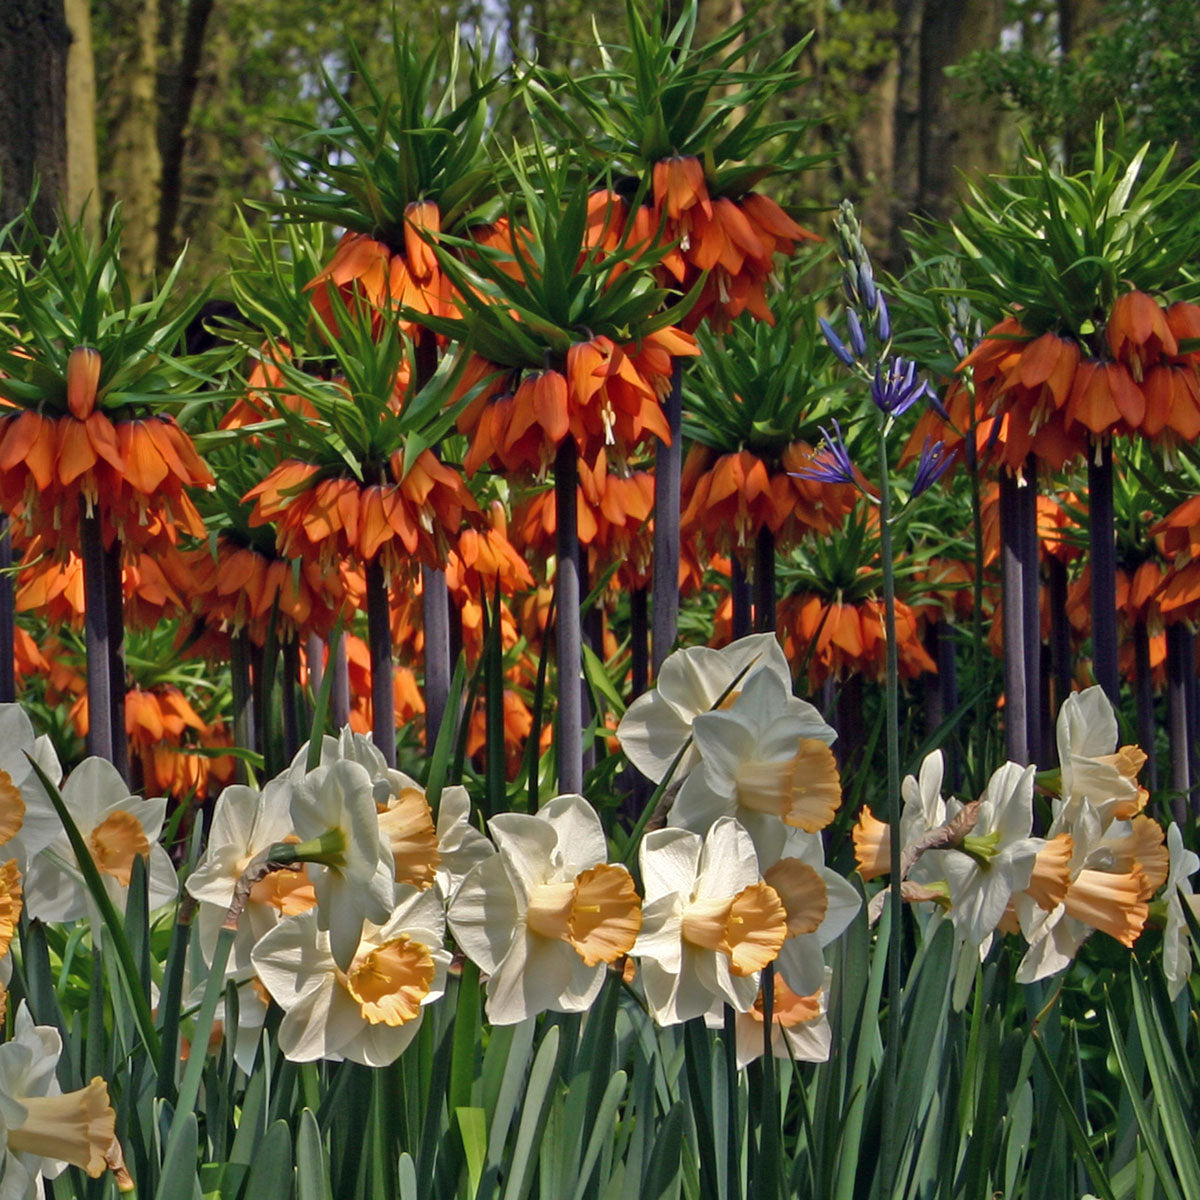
point(891, 1151)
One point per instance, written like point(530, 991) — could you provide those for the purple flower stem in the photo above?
point(96, 638)
point(1144, 682)
point(314, 652)
point(1102, 547)
point(1060, 634)
point(340, 692)
point(567, 629)
point(1031, 612)
point(740, 593)
point(1016, 727)
point(435, 612)
point(287, 694)
point(243, 697)
point(668, 463)
point(764, 581)
point(8, 623)
point(114, 611)
point(1180, 660)
point(379, 645)
point(639, 641)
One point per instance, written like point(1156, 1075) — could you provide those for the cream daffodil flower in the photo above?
point(1177, 958)
point(656, 726)
point(117, 828)
point(709, 922)
point(369, 1011)
point(1087, 736)
point(995, 859)
point(28, 822)
point(764, 760)
point(43, 1129)
point(460, 845)
point(334, 814)
point(799, 1025)
point(544, 915)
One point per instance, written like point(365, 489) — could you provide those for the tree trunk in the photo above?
point(83, 180)
point(34, 41)
point(133, 169)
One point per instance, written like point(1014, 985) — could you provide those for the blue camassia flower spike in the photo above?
point(931, 466)
point(897, 388)
point(835, 343)
point(830, 464)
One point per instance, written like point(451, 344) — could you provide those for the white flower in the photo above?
point(42, 1130)
point(996, 858)
point(460, 845)
point(1177, 958)
point(354, 882)
point(819, 903)
point(658, 723)
point(117, 828)
point(28, 822)
point(799, 1025)
point(709, 922)
point(1087, 736)
point(764, 760)
point(246, 823)
point(545, 914)
point(370, 1011)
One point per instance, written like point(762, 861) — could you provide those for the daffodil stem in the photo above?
point(891, 1082)
point(740, 595)
point(1016, 728)
point(96, 637)
point(567, 625)
point(379, 645)
point(1102, 556)
point(764, 581)
point(1178, 726)
point(435, 611)
point(668, 464)
point(1144, 683)
point(8, 677)
point(114, 612)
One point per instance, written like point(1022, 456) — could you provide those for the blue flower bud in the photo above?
point(883, 321)
point(858, 340)
point(835, 343)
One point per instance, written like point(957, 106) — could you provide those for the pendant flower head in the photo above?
point(545, 915)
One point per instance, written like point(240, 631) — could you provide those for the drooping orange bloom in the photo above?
point(265, 392)
point(406, 519)
point(728, 498)
point(841, 639)
point(518, 725)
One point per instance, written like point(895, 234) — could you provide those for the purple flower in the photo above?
point(931, 466)
point(896, 389)
point(858, 340)
point(883, 321)
point(831, 463)
point(835, 343)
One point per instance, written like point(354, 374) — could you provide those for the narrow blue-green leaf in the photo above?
point(601, 1127)
point(533, 1116)
point(271, 1174)
point(662, 1178)
point(472, 1129)
point(178, 1180)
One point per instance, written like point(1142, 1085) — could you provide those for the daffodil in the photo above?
point(709, 922)
point(1092, 767)
point(460, 845)
point(547, 913)
point(764, 760)
point(995, 859)
point(369, 1010)
point(334, 813)
point(43, 1129)
point(657, 725)
point(28, 822)
point(799, 1025)
point(819, 905)
point(1177, 958)
point(117, 828)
